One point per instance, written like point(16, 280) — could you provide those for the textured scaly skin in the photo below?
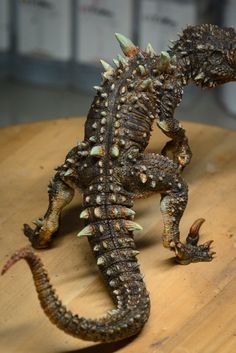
point(111, 169)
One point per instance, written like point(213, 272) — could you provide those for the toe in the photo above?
point(207, 244)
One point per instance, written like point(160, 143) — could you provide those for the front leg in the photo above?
point(155, 173)
point(178, 147)
point(173, 204)
point(180, 152)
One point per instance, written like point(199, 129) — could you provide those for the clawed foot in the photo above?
point(190, 251)
point(39, 237)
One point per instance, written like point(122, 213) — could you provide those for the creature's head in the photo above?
point(209, 53)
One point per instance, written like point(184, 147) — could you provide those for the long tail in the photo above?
point(128, 319)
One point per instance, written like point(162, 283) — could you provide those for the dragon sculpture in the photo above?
point(111, 169)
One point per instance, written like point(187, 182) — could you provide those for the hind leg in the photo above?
point(60, 192)
point(60, 195)
point(155, 173)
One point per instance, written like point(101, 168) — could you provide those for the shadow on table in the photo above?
point(104, 347)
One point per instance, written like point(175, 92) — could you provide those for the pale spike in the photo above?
point(200, 47)
point(127, 46)
point(104, 244)
point(200, 76)
point(114, 152)
point(116, 291)
point(158, 83)
point(142, 69)
point(121, 59)
point(93, 139)
point(68, 172)
point(113, 197)
point(117, 226)
point(153, 184)
point(98, 199)
point(173, 60)
point(115, 211)
point(38, 222)
point(150, 50)
point(132, 226)
point(107, 75)
point(108, 272)
point(82, 153)
point(116, 62)
point(143, 178)
point(97, 88)
point(70, 160)
point(112, 312)
point(116, 124)
point(98, 212)
point(100, 261)
point(165, 57)
point(97, 151)
point(84, 214)
point(127, 211)
point(96, 247)
point(86, 232)
point(107, 67)
point(146, 83)
point(123, 90)
point(135, 252)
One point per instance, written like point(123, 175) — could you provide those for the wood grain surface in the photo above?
point(193, 308)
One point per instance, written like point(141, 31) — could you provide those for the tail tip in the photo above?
point(4, 269)
point(18, 255)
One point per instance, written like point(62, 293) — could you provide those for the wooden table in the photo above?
point(193, 307)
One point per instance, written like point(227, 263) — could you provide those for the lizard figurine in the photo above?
point(111, 169)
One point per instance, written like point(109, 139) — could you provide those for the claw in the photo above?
point(193, 235)
point(27, 231)
point(211, 253)
point(33, 236)
point(208, 244)
point(196, 226)
point(38, 222)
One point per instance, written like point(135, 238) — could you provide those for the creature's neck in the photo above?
point(187, 65)
point(192, 52)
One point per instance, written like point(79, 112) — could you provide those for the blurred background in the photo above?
point(50, 51)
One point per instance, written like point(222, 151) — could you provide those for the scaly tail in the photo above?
point(125, 321)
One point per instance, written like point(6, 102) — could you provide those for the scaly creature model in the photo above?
point(111, 169)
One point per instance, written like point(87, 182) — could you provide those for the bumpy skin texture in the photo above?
point(111, 169)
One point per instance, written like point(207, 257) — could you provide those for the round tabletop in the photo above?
point(192, 307)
